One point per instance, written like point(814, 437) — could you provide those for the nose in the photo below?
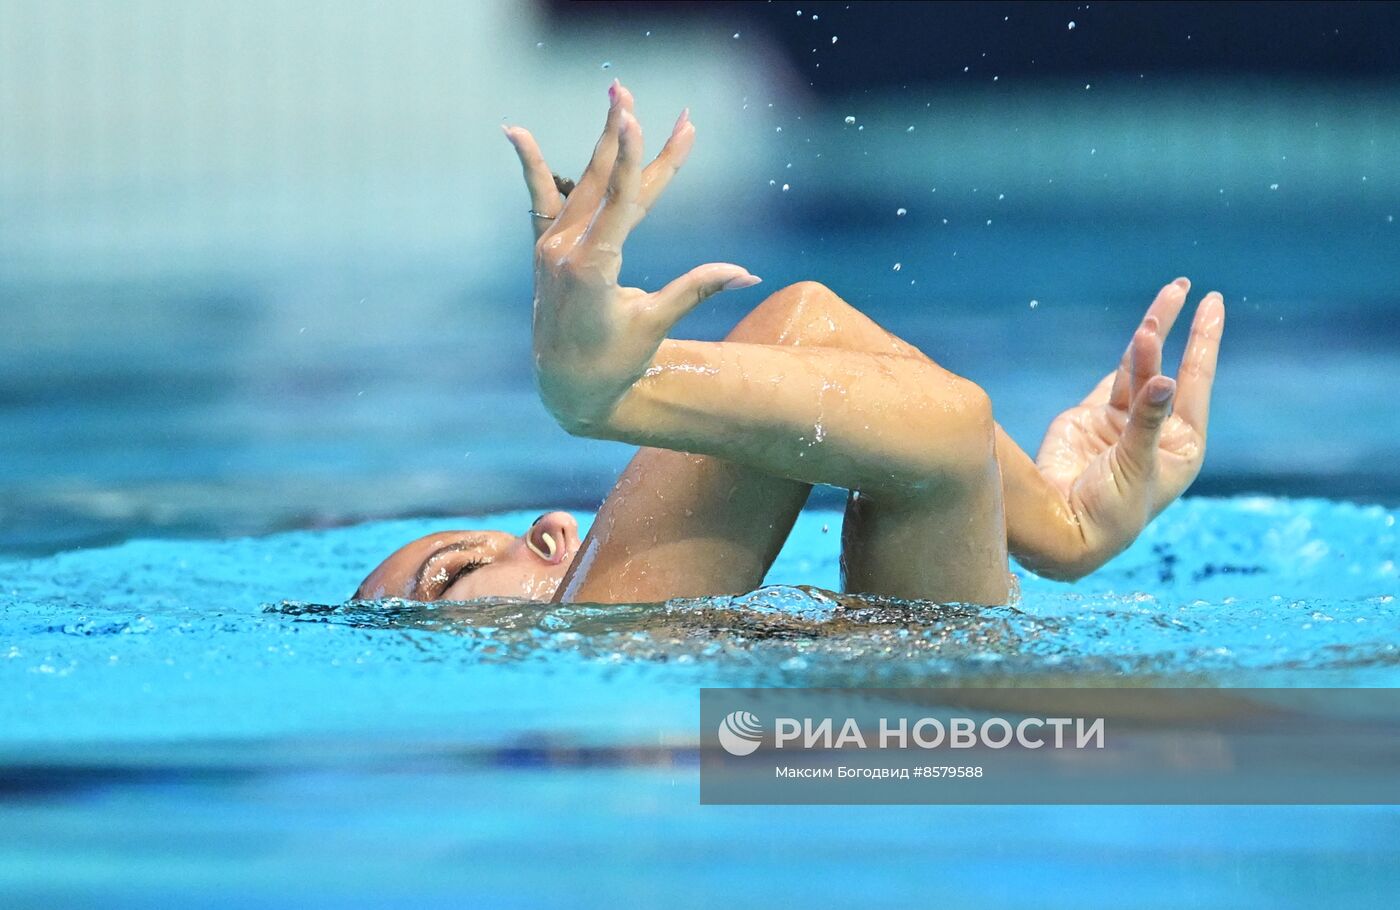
point(553, 537)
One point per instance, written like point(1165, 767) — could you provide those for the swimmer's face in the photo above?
point(471, 565)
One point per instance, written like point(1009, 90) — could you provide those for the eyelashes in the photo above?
point(466, 570)
point(444, 568)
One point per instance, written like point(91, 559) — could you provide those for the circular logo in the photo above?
point(740, 733)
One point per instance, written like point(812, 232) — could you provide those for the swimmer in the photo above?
point(804, 390)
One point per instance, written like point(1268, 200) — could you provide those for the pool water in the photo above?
point(201, 719)
point(192, 449)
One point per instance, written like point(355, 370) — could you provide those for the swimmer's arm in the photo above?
point(605, 369)
point(1042, 531)
point(820, 415)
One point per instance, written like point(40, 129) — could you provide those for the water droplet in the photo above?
point(539, 44)
point(1087, 86)
point(910, 130)
point(1071, 25)
point(607, 64)
point(736, 35)
point(850, 120)
point(898, 266)
point(1273, 186)
point(1000, 196)
point(901, 212)
point(1389, 219)
point(786, 187)
point(1035, 303)
point(833, 39)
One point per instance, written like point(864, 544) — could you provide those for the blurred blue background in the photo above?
point(266, 264)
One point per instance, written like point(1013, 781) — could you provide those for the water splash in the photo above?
point(222, 637)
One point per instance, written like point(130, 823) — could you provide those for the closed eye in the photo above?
point(466, 570)
point(444, 568)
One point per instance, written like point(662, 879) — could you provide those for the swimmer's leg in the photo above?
point(678, 525)
point(949, 545)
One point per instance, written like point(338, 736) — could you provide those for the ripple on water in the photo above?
point(1244, 591)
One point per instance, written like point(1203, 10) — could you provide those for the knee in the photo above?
point(806, 290)
point(804, 313)
point(970, 437)
point(982, 426)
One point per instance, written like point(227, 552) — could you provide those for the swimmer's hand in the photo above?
point(592, 337)
point(1125, 453)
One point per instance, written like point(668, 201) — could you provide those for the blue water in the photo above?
point(191, 715)
point(191, 718)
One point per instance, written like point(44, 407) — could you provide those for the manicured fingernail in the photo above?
point(742, 281)
point(1161, 392)
point(613, 93)
point(1183, 282)
point(680, 121)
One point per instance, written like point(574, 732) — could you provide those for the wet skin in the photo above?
point(471, 565)
point(806, 390)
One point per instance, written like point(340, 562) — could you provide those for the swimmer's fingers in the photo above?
point(1145, 357)
point(1163, 312)
point(668, 161)
point(583, 199)
point(1197, 373)
point(1167, 305)
point(620, 211)
point(681, 296)
point(1137, 448)
point(544, 195)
